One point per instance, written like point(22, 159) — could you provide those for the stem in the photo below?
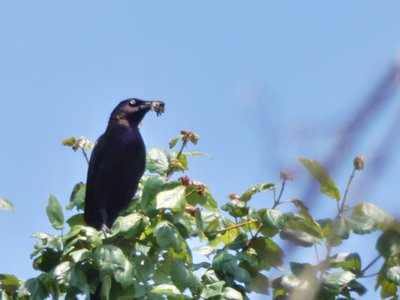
point(276, 202)
point(234, 226)
point(184, 143)
point(85, 155)
point(249, 229)
point(170, 171)
point(370, 265)
point(248, 225)
point(324, 265)
point(370, 275)
point(347, 190)
point(227, 228)
point(316, 253)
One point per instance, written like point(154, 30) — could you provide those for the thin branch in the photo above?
point(280, 194)
point(184, 143)
point(276, 203)
point(316, 253)
point(227, 228)
point(258, 231)
point(370, 275)
point(171, 171)
point(233, 226)
point(85, 155)
point(370, 265)
point(347, 190)
point(338, 208)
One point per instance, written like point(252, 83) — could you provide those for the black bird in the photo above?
point(117, 163)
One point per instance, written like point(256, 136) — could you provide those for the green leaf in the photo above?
point(77, 219)
point(182, 160)
point(151, 187)
point(6, 205)
point(299, 237)
point(393, 274)
point(205, 250)
point(326, 185)
point(105, 287)
point(167, 236)
point(301, 229)
point(388, 244)
point(212, 290)
point(183, 278)
point(48, 240)
point(269, 253)
point(361, 224)
point(240, 242)
point(227, 263)
point(54, 213)
point(172, 199)
point(210, 276)
point(83, 234)
point(370, 217)
point(202, 265)
point(71, 276)
point(272, 218)
point(173, 142)
point(77, 198)
point(229, 293)
point(48, 260)
point(199, 224)
point(236, 208)
point(36, 288)
point(346, 261)
point(76, 143)
point(198, 194)
point(227, 236)
point(259, 284)
point(165, 289)
point(250, 260)
point(9, 283)
point(129, 226)
point(69, 141)
point(62, 272)
point(388, 288)
point(157, 161)
point(260, 187)
point(300, 269)
point(335, 281)
point(80, 255)
point(78, 279)
point(335, 230)
point(355, 286)
point(112, 261)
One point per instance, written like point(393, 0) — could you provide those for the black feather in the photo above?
point(117, 163)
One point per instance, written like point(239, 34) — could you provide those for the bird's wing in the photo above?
point(91, 205)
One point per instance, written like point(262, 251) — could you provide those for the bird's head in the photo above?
point(130, 112)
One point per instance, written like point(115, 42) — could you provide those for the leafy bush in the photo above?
point(148, 255)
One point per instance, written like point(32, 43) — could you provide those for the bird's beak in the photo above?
point(157, 106)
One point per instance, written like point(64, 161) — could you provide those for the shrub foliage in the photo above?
point(150, 252)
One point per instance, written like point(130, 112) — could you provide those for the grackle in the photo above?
point(117, 163)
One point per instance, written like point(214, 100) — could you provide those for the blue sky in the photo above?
point(262, 82)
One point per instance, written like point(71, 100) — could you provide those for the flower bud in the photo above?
point(358, 163)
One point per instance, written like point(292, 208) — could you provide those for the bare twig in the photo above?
point(353, 174)
point(233, 226)
point(369, 266)
point(85, 155)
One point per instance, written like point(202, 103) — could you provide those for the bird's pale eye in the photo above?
point(132, 102)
